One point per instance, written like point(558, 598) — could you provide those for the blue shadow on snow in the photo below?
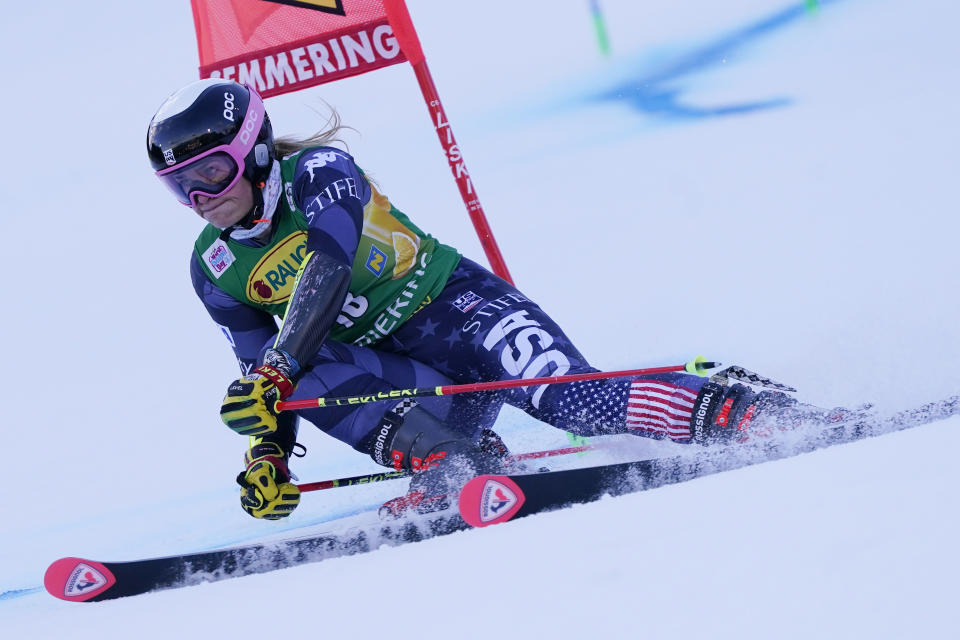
point(647, 93)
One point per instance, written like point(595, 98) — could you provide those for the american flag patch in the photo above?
point(660, 407)
point(467, 301)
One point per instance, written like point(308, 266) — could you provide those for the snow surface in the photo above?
point(754, 180)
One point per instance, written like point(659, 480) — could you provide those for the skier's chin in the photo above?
point(221, 215)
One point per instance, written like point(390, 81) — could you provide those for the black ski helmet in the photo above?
point(204, 118)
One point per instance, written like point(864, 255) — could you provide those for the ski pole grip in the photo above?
point(699, 365)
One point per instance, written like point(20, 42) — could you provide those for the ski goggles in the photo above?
point(217, 170)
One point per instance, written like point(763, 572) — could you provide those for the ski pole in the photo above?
point(697, 366)
point(352, 480)
point(393, 475)
point(534, 455)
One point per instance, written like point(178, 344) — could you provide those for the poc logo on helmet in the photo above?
point(228, 106)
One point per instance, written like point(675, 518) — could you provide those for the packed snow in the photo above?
point(766, 182)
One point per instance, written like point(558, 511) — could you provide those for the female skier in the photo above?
point(370, 303)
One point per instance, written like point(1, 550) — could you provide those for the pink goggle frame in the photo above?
point(238, 149)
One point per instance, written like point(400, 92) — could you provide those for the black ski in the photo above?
point(82, 580)
point(485, 500)
point(492, 499)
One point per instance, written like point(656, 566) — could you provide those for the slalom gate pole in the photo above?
point(600, 27)
point(697, 366)
point(394, 475)
point(406, 35)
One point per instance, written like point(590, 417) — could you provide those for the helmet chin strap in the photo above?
point(253, 214)
point(260, 216)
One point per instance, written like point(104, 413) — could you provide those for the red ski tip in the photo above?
point(487, 500)
point(76, 579)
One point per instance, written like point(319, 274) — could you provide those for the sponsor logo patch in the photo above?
point(319, 160)
point(724, 412)
point(496, 499)
point(82, 580)
point(467, 301)
point(218, 258)
point(228, 106)
point(271, 281)
point(376, 261)
point(226, 332)
point(701, 409)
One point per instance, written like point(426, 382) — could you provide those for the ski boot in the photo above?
point(409, 438)
point(722, 414)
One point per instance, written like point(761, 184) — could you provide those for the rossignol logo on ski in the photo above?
point(82, 580)
point(487, 500)
point(77, 580)
point(495, 501)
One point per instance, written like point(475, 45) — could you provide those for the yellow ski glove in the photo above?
point(266, 490)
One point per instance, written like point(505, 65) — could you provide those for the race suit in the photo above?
point(417, 314)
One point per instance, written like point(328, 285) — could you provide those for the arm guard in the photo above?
point(318, 294)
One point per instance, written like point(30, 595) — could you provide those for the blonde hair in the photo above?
point(330, 133)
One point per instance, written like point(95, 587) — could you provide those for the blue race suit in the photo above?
point(478, 328)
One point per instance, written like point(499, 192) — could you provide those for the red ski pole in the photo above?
point(406, 35)
point(697, 366)
point(393, 475)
